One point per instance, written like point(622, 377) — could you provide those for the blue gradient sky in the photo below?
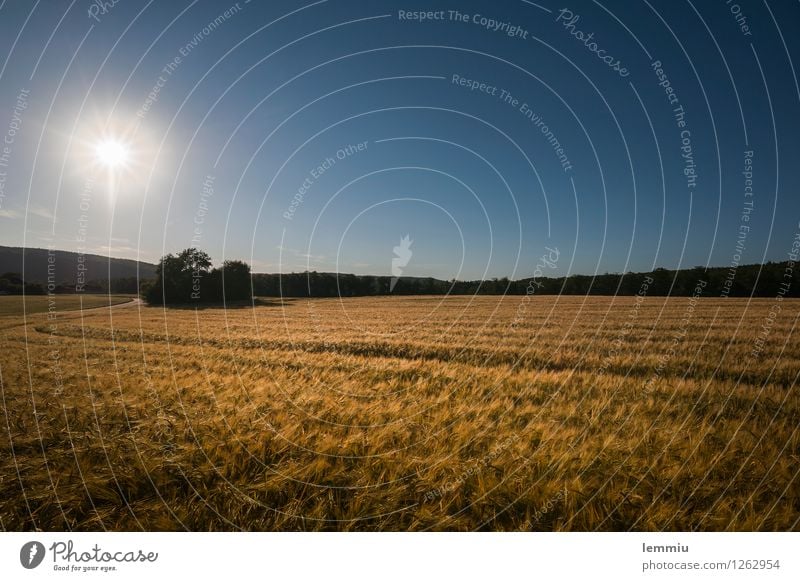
point(272, 92)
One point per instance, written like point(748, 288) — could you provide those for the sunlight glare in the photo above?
point(111, 153)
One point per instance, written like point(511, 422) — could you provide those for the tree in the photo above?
point(235, 281)
point(179, 279)
point(194, 260)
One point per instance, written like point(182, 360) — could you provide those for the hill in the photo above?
point(69, 269)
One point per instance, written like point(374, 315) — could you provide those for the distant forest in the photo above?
point(188, 277)
point(765, 280)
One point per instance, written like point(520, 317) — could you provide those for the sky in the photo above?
point(613, 136)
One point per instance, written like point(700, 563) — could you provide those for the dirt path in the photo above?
point(71, 314)
point(131, 303)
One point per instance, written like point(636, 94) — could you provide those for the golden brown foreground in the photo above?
point(416, 413)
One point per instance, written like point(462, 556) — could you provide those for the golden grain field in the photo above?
point(404, 413)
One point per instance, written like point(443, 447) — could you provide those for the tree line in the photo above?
point(12, 283)
point(746, 280)
point(188, 277)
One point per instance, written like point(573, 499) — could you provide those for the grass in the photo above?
point(405, 413)
point(16, 305)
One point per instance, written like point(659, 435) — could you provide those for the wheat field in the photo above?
point(404, 413)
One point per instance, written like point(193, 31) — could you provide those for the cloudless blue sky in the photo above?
point(273, 90)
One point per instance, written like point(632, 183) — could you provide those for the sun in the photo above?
point(112, 153)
